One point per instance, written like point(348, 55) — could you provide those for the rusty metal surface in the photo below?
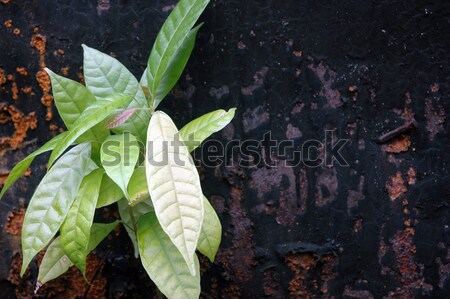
point(375, 73)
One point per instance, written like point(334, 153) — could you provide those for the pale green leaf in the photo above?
point(169, 40)
point(174, 186)
point(137, 188)
point(175, 68)
point(195, 132)
point(71, 99)
point(119, 155)
point(109, 192)
point(75, 230)
point(164, 263)
point(105, 75)
point(55, 262)
point(130, 215)
point(211, 233)
point(20, 167)
point(90, 117)
point(52, 200)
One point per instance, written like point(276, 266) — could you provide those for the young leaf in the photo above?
point(201, 128)
point(119, 118)
point(211, 234)
point(104, 75)
point(119, 154)
point(175, 68)
point(71, 99)
point(52, 200)
point(109, 192)
point(163, 262)
point(90, 117)
point(75, 231)
point(20, 167)
point(137, 188)
point(130, 216)
point(55, 261)
point(174, 186)
point(170, 38)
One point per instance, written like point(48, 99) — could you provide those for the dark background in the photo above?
point(378, 228)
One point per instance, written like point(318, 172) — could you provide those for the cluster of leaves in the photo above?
point(161, 206)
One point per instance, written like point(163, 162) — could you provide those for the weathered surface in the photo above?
point(369, 72)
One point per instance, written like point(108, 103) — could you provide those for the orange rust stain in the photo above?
point(69, 285)
point(8, 23)
point(38, 41)
point(46, 99)
point(14, 222)
point(297, 53)
point(27, 90)
point(434, 87)
point(398, 145)
point(16, 31)
point(23, 71)
point(412, 176)
point(65, 71)
point(5, 1)
point(21, 123)
point(80, 75)
point(300, 264)
point(15, 91)
point(396, 186)
point(2, 76)
point(53, 127)
point(58, 52)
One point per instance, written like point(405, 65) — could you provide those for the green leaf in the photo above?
point(195, 132)
point(20, 167)
point(52, 200)
point(90, 117)
point(175, 68)
point(169, 40)
point(130, 215)
point(174, 186)
point(211, 234)
point(75, 231)
point(105, 75)
point(137, 188)
point(119, 155)
point(109, 192)
point(71, 99)
point(163, 262)
point(55, 261)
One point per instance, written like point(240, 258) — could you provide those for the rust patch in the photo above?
point(404, 250)
point(27, 90)
point(69, 285)
point(435, 119)
point(38, 41)
point(238, 260)
point(434, 87)
point(326, 187)
point(21, 123)
point(14, 222)
point(396, 186)
point(15, 91)
point(103, 6)
point(357, 294)
point(271, 285)
point(305, 279)
point(398, 144)
point(411, 176)
point(47, 99)
point(8, 23)
point(2, 76)
point(16, 31)
point(65, 71)
point(5, 1)
point(23, 71)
